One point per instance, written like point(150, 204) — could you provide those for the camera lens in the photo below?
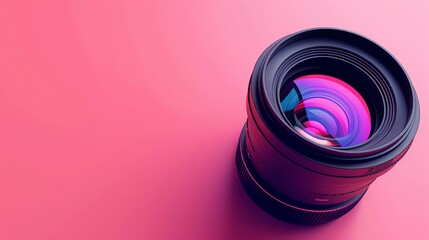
point(329, 111)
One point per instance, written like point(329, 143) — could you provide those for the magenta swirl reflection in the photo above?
point(326, 110)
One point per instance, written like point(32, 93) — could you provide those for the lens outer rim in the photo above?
point(324, 160)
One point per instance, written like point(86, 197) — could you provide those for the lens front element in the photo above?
point(326, 110)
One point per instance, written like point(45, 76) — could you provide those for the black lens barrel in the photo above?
point(302, 182)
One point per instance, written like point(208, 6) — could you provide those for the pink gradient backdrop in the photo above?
point(120, 119)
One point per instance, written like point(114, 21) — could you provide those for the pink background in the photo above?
point(120, 119)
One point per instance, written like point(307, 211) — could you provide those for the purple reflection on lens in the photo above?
point(327, 111)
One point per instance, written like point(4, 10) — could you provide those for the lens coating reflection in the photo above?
point(326, 110)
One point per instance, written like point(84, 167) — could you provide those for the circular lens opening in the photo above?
point(326, 110)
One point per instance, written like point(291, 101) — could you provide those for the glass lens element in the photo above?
point(326, 110)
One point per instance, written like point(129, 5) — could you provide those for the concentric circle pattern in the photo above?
point(326, 110)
